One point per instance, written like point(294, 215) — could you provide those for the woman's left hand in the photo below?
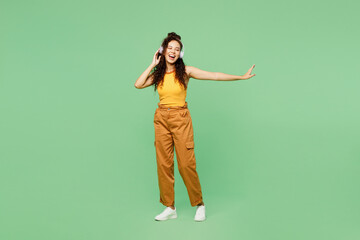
point(248, 74)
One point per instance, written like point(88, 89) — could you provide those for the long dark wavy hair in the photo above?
point(160, 69)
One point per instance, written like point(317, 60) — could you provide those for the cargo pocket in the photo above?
point(189, 145)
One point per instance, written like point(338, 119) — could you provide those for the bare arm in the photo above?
point(217, 76)
point(144, 80)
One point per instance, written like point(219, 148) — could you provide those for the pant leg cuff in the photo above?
point(196, 202)
point(166, 204)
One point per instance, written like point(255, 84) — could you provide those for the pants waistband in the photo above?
point(161, 106)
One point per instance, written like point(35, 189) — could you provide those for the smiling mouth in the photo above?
point(172, 58)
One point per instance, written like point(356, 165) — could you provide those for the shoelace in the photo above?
point(169, 209)
point(197, 209)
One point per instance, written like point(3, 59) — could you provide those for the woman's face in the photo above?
point(173, 49)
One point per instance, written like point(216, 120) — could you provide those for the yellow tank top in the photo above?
point(171, 93)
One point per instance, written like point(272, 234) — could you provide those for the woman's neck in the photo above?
point(170, 67)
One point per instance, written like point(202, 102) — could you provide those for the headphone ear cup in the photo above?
point(182, 52)
point(161, 49)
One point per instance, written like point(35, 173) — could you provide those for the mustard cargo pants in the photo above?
point(173, 127)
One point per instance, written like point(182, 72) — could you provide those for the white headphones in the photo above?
point(181, 52)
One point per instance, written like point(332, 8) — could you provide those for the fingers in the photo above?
point(252, 67)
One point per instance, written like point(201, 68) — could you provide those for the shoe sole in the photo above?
point(200, 220)
point(171, 217)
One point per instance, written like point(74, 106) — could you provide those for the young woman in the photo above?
point(173, 124)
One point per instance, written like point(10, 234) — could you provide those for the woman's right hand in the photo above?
point(156, 60)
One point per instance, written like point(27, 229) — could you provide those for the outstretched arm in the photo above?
point(217, 76)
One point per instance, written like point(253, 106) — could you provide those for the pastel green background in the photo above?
point(277, 155)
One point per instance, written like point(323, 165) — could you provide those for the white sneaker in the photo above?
point(168, 213)
point(200, 213)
